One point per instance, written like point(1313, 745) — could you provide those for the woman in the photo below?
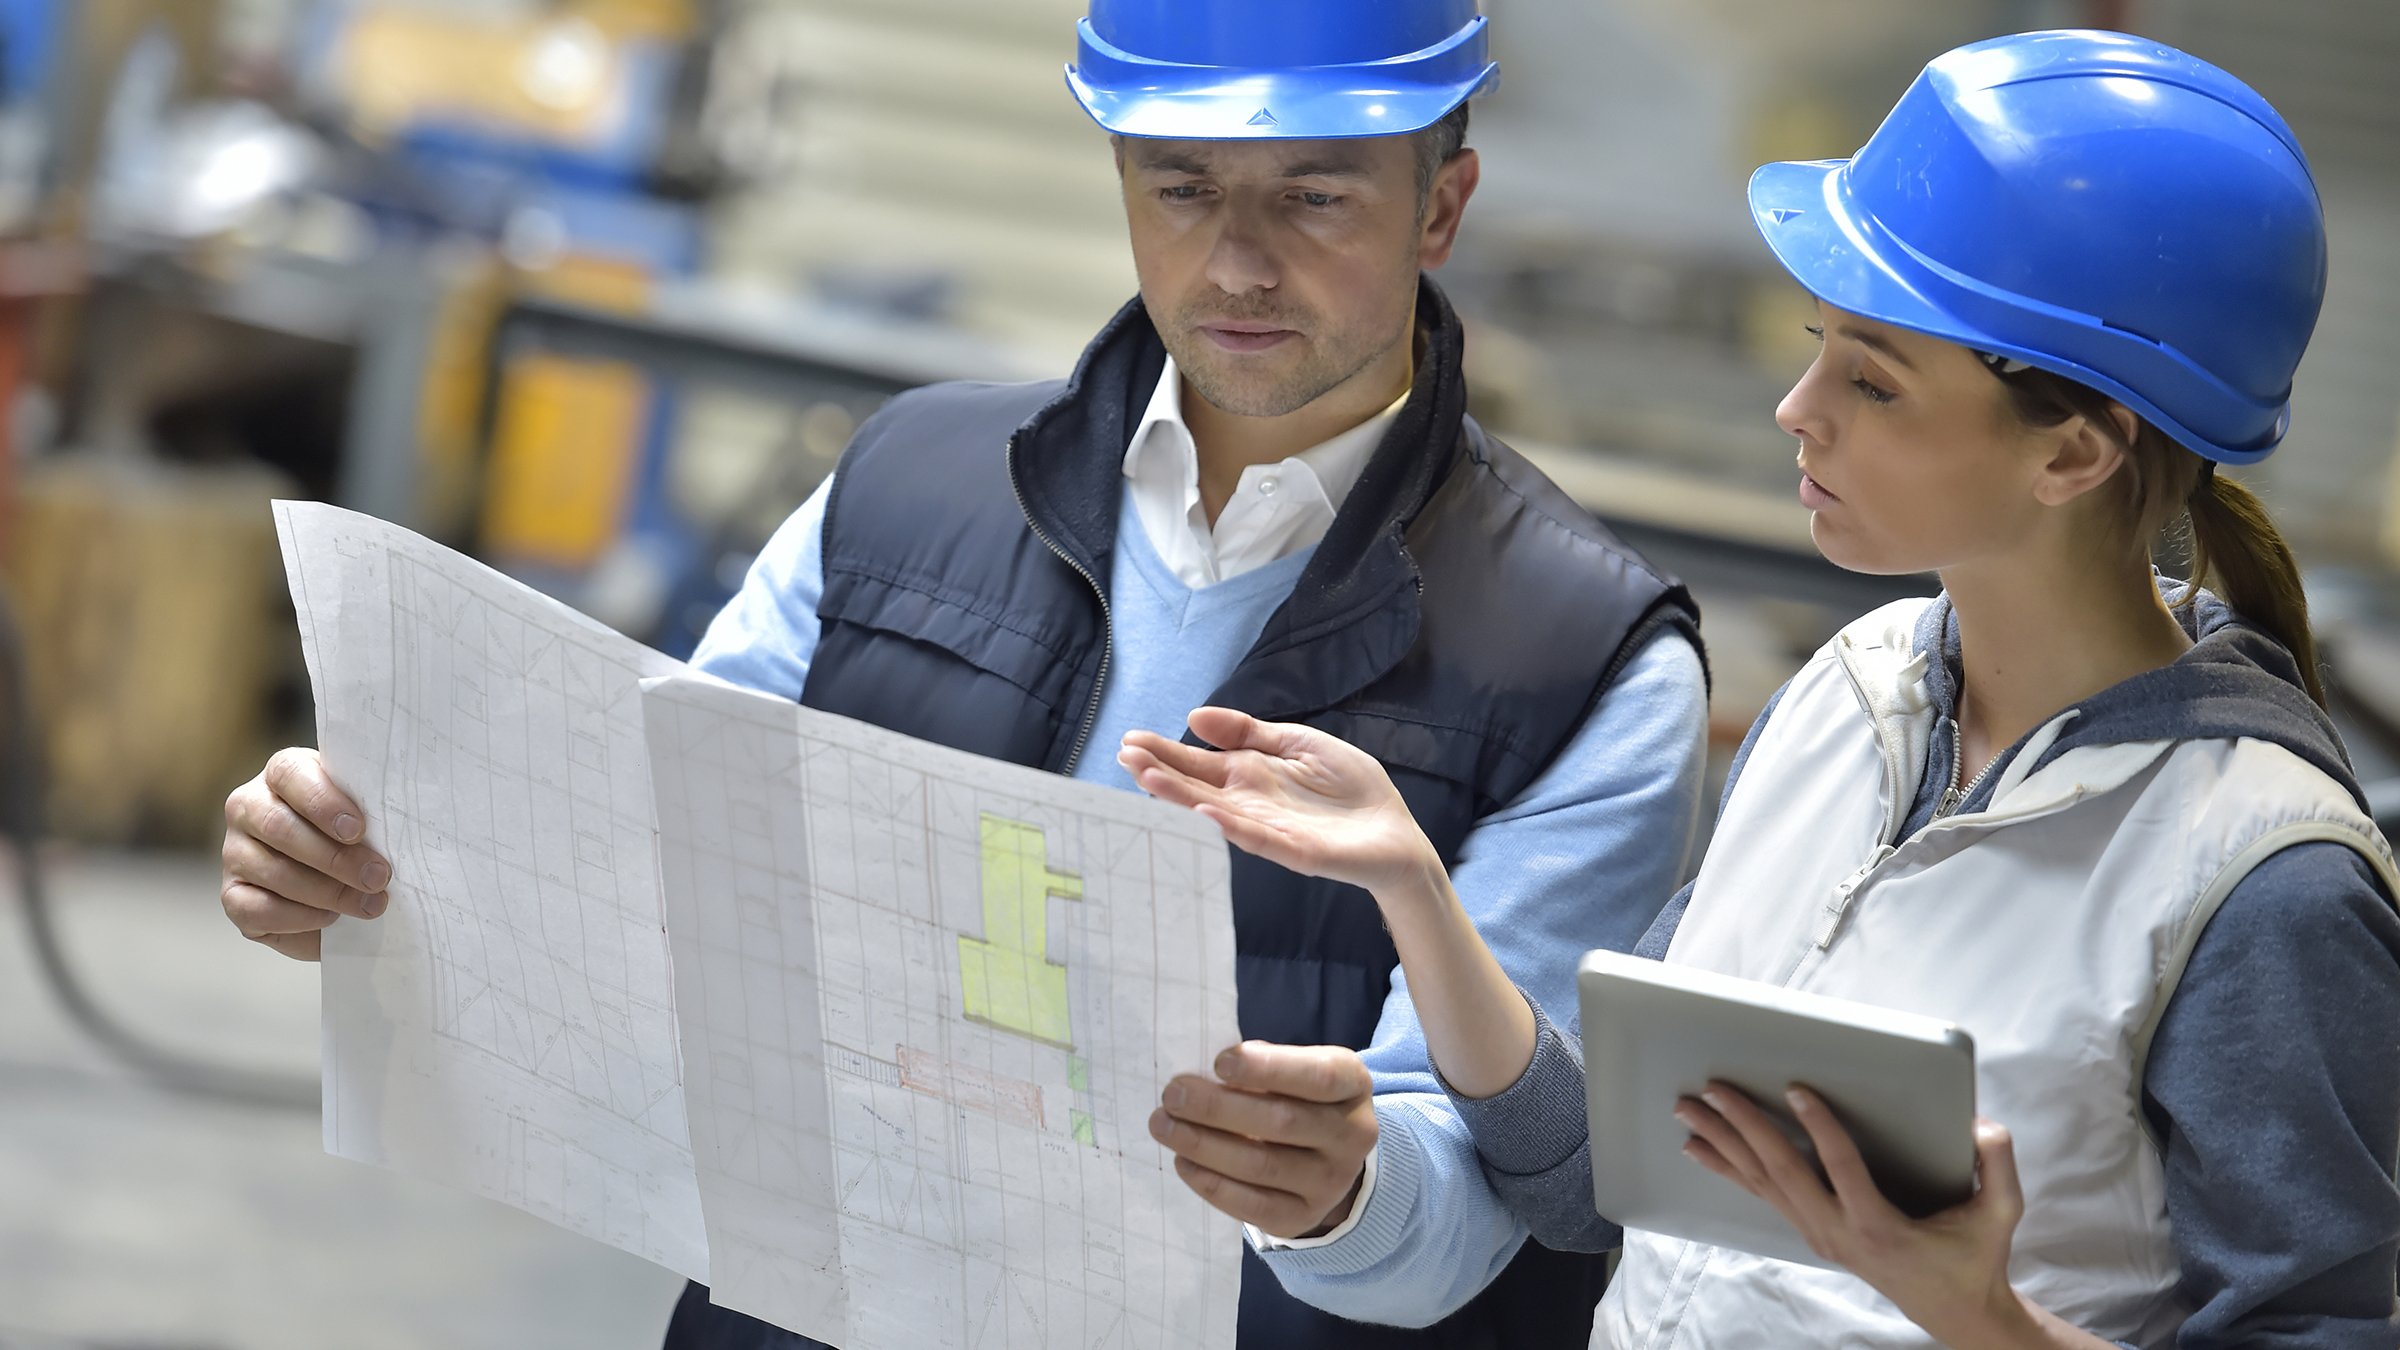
point(2095, 818)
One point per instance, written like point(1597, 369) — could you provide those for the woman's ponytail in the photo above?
point(2235, 543)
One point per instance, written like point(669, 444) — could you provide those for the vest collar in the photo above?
point(1891, 675)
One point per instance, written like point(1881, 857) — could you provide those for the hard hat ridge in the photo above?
point(1277, 69)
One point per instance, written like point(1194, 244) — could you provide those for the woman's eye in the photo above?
point(1871, 392)
point(1814, 331)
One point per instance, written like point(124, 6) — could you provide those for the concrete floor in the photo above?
point(131, 1217)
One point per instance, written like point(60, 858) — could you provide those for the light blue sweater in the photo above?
point(1584, 857)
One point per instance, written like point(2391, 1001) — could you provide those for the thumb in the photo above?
point(1996, 1166)
point(1233, 729)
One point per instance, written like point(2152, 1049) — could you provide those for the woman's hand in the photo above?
point(1947, 1272)
point(1303, 800)
point(1289, 794)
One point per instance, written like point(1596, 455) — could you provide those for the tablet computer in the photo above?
point(1903, 1083)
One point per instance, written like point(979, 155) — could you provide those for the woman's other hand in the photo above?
point(1948, 1272)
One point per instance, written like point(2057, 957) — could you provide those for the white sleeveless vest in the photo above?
point(2053, 926)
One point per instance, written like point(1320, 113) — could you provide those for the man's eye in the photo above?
point(1182, 192)
point(1319, 200)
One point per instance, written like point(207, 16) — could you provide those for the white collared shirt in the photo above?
point(1275, 511)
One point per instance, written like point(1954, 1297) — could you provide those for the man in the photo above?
point(1258, 489)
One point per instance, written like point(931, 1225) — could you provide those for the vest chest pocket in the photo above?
point(905, 656)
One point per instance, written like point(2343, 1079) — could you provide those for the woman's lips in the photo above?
point(1813, 494)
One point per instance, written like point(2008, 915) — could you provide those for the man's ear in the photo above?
point(1446, 206)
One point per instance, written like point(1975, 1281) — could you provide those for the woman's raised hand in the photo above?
point(1289, 794)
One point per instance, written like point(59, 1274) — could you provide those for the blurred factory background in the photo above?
point(596, 290)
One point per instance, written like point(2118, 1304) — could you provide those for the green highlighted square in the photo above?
point(1083, 1128)
point(1006, 975)
point(1079, 1073)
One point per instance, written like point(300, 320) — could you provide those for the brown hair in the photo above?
point(2231, 539)
point(1436, 146)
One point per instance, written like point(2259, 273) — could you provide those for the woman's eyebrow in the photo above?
point(1878, 343)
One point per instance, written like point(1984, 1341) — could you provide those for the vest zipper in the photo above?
point(1955, 796)
point(1843, 893)
point(1091, 714)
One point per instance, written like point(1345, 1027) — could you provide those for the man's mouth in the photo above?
point(1246, 336)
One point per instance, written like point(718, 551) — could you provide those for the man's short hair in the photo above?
point(1437, 145)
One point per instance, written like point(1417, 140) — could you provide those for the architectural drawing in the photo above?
point(508, 1027)
point(861, 1031)
point(952, 990)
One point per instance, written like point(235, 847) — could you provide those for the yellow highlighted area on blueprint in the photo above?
point(1010, 981)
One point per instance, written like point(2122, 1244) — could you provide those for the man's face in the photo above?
point(1276, 271)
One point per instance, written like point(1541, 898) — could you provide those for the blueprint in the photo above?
point(508, 1026)
point(929, 1001)
point(913, 1007)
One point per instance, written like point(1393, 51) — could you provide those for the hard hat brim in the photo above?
point(1242, 105)
point(1843, 257)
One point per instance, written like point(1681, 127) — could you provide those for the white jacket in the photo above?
point(2053, 926)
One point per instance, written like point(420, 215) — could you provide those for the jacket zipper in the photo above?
point(1091, 713)
point(1954, 796)
point(1894, 813)
point(1843, 893)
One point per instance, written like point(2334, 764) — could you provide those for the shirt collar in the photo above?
point(1335, 463)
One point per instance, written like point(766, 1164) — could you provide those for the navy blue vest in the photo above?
point(1459, 620)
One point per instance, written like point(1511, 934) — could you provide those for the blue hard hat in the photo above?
point(1221, 70)
point(2096, 205)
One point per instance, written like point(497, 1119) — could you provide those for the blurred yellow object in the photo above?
point(448, 411)
point(152, 604)
point(568, 437)
point(563, 459)
point(559, 77)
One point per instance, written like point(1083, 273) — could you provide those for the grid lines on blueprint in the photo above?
point(936, 998)
point(508, 1026)
point(534, 930)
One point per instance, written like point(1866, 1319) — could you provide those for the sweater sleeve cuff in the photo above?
point(1539, 1122)
point(1379, 1221)
point(1268, 1242)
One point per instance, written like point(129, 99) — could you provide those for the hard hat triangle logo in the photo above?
point(1263, 118)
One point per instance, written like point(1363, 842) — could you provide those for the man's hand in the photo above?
point(1281, 1142)
point(293, 861)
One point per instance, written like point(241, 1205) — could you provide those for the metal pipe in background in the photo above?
point(21, 821)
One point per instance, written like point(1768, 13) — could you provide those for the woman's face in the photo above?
point(1911, 458)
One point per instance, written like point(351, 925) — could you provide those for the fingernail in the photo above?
point(1160, 1125)
point(1685, 1118)
point(372, 905)
point(1715, 1102)
point(1175, 1096)
point(1798, 1100)
point(376, 876)
point(345, 828)
point(1229, 1062)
